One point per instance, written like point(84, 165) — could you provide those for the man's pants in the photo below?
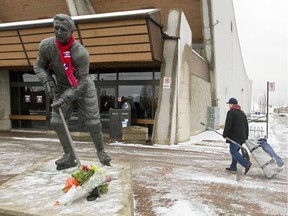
point(237, 157)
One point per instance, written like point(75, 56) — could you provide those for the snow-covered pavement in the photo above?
point(185, 179)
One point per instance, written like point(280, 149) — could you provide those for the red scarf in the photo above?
point(66, 60)
point(236, 106)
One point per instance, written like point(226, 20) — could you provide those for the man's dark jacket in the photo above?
point(236, 125)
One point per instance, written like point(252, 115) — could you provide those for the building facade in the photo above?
point(165, 58)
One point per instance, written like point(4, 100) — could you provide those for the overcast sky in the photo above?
point(262, 29)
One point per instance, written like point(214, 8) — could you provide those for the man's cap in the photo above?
point(232, 101)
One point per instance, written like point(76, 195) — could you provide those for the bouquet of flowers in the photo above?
point(82, 181)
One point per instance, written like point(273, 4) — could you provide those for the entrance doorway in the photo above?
point(139, 88)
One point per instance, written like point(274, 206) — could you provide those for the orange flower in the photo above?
point(69, 183)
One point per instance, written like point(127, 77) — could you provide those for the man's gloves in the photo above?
point(61, 103)
point(49, 87)
point(52, 89)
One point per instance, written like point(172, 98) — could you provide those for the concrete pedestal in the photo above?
point(35, 191)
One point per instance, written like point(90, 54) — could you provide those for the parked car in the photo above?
point(257, 117)
point(282, 114)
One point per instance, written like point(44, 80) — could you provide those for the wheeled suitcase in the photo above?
point(269, 163)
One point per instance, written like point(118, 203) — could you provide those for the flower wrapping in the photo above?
point(77, 192)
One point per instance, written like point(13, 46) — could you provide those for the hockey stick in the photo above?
point(243, 150)
point(66, 128)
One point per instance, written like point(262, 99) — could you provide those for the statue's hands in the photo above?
point(49, 86)
point(61, 103)
point(58, 103)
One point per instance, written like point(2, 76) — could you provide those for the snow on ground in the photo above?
point(187, 203)
point(211, 142)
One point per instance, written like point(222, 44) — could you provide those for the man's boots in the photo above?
point(68, 160)
point(103, 157)
point(96, 135)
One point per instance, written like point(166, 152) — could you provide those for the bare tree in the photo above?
point(263, 103)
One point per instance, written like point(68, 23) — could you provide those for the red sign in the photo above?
point(166, 82)
point(271, 86)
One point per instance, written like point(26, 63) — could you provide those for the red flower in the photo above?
point(85, 168)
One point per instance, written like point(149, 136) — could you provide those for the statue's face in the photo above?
point(62, 31)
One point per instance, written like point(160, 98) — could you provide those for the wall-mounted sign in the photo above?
point(39, 99)
point(27, 99)
point(166, 82)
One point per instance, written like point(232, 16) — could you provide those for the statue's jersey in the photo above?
point(49, 60)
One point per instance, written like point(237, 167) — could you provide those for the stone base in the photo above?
point(135, 134)
point(35, 191)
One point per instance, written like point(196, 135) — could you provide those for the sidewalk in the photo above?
point(175, 180)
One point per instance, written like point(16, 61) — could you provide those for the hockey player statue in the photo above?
point(69, 61)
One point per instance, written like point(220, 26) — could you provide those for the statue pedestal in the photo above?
point(35, 191)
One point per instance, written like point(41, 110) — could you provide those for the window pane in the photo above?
point(141, 97)
point(30, 78)
point(136, 76)
point(157, 75)
point(107, 76)
point(107, 99)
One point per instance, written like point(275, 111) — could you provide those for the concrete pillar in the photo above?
point(184, 94)
point(172, 123)
point(208, 42)
point(5, 123)
point(165, 120)
point(80, 7)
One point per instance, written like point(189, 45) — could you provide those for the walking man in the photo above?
point(69, 62)
point(236, 128)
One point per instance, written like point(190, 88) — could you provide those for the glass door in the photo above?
point(107, 100)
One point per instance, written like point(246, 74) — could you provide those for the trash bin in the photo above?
point(119, 118)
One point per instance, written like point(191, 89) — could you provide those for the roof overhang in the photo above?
point(134, 14)
point(127, 37)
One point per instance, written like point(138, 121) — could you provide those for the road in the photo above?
point(278, 132)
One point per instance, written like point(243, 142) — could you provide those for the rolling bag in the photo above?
point(270, 162)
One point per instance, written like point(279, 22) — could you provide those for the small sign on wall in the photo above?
point(27, 99)
point(166, 82)
point(39, 99)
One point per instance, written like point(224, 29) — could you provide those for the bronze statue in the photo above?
point(69, 61)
